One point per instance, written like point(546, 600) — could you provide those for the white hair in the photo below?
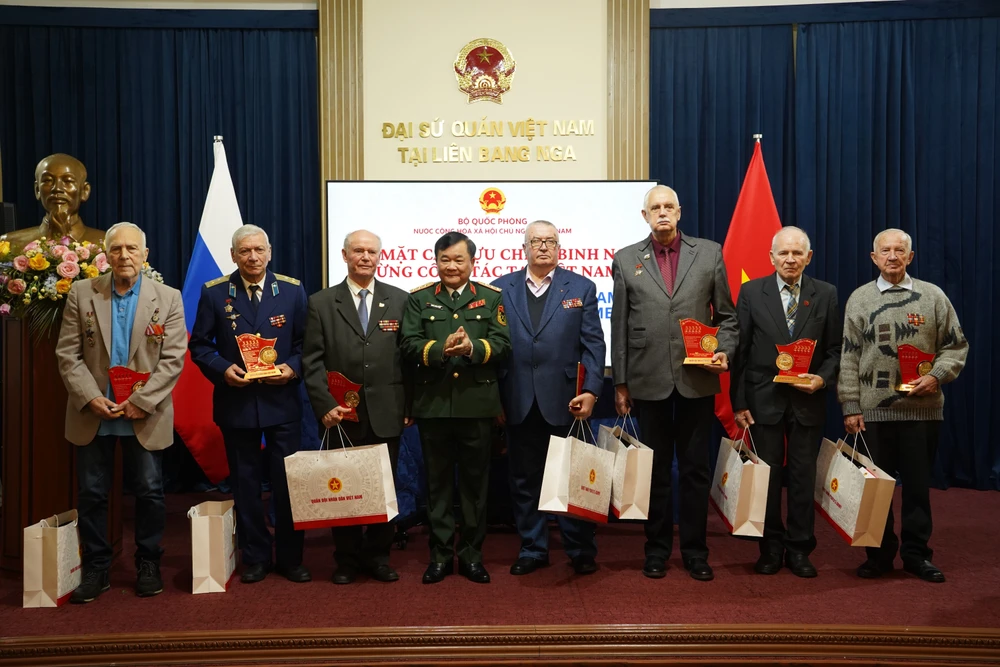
point(907, 241)
point(248, 230)
point(555, 230)
point(645, 200)
point(347, 239)
point(790, 229)
point(117, 227)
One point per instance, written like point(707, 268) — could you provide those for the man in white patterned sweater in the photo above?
point(901, 427)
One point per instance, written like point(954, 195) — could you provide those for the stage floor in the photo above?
point(965, 538)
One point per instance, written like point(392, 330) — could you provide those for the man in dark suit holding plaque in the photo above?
point(659, 281)
point(782, 401)
point(353, 329)
point(259, 306)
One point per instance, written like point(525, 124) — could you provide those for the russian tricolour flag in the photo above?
point(209, 260)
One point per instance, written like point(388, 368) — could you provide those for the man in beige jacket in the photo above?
point(121, 319)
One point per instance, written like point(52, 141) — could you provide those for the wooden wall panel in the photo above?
point(628, 89)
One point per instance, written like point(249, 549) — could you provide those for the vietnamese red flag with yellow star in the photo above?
point(746, 252)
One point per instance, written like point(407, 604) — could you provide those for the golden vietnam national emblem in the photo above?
point(484, 69)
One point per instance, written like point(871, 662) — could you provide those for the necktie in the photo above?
point(793, 307)
point(363, 309)
point(455, 295)
point(255, 297)
point(663, 261)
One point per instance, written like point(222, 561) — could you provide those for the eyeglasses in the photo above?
point(542, 243)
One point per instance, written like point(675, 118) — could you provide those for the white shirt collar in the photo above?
point(782, 283)
point(260, 283)
point(546, 279)
point(883, 284)
point(356, 288)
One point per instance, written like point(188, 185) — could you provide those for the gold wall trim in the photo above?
point(341, 104)
point(628, 89)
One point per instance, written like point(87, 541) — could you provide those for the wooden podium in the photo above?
point(39, 464)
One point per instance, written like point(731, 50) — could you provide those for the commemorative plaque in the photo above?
point(700, 342)
point(259, 356)
point(914, 363)
point(793, 360)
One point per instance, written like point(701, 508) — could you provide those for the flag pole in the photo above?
point(757, 137)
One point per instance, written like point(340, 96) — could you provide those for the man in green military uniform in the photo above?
point(456, 332)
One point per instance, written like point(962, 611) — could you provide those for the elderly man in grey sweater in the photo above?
point(901, 427)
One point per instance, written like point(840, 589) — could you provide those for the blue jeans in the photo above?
point(95, 466)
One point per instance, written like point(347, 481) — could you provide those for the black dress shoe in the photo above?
point(297, 573)
point(699, 569)
point(584, 564)
point(768, 563)
point(383, 572)
point(436, 572)
point(344, 574)
point(527, 565)
point(873, 569)
point(926, 570)
point(254, 573)
point(92, 584)
point(474, 572)
point(655, 567)
point(799, 565)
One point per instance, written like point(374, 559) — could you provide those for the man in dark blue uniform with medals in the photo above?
point(267, 306)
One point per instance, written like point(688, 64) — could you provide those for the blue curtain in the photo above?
point(711, 90)
point(897, 125)
point(140, 106)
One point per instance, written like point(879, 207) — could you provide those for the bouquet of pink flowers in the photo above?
point(35, 282)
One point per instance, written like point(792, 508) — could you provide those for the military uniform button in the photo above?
point(455, 316)
point(455, 374)
point(432, 318)
point(479, 317)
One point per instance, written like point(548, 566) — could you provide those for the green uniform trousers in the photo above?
point(465, 442)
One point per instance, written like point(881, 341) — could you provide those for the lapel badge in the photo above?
point(234, 325)
point(156, 315)
point(278, 321)
point(229, 308)
point(638, 269)
point(381, 305)
point(274, 288)
point(805, 303)
point(646, 256)
point(89, 333)
point(476, 304)
point(388, 325)
point(232, 290)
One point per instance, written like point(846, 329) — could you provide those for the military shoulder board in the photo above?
point(287, 279)
point(488, 286)
point(422, 287)
point(217, 281)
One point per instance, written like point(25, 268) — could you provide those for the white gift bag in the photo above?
point(577, 478)
point(341, 487)
point(213, 546)
point(739, 488)
point(633, 472)
point(852, 493)
point(52, 560)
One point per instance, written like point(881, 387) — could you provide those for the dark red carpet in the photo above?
point(965, 539)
